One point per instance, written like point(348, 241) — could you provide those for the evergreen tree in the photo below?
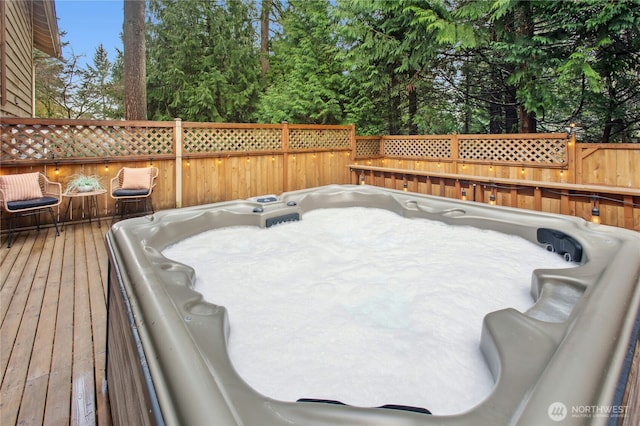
point(402, 66)
point(545, 63)
point(103, 94)
point(392, 64)
point(48, 85)
point(66, 89)
point(305, 79)
point(203, 62)
point(599, 69)
point(117, 84)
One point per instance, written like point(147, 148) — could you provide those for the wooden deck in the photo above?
point(53, 327)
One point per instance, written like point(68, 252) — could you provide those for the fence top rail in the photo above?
point(604, 189)
point(84, 123)
point(515, 136)
point(607, 145)
point(416, 137)
point(201, 125)
point(460, 136)
point(321, 126)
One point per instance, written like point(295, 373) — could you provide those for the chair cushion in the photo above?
point(130, 192)
point(28, 204)
point(136, 178)
point(25, 186)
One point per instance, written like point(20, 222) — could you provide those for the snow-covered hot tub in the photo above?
point(566, 359)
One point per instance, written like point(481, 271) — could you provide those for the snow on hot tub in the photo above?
point(168, 359)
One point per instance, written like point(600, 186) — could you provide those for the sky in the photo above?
point(88, 23)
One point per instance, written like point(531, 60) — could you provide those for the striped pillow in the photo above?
point(136, 178)
point(20, 187)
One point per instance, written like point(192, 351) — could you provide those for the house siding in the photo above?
point(18, 63)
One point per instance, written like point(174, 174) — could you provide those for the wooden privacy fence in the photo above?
point(199, 163)
point(546, 172)
point(548, 157)
point(544, 155)
point(208, 162)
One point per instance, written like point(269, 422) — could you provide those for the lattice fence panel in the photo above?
point(417, 148)
point(48, 141)
point(367, 147)
point(207, 140)
point(544, 151)
point(319, 139)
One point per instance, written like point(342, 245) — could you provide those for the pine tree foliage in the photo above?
point(104, 95)
point(549, 62)
point(49, 85)
point(393, 62)
point(65, 88)
point(202, 60)
point(305, 78)
point(388, 66)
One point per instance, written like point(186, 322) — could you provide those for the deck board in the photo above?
point(94, 243)
point(59, 390)
point(83, 401)
point(18, 330)
point(53, 324)
point(31, 410)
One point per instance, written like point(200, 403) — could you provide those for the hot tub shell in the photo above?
point(167, 360)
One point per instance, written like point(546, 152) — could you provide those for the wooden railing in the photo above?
point(612, 205)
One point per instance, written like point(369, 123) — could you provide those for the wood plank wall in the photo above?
point(221, 178)
point(16, 80)
point(608, 164)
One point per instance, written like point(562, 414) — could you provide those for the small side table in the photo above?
point(92, 198)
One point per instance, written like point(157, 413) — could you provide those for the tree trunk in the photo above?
point(393, 108)
point(135, 74)
point(413, 109)
point(606, 132)
point(524, 19)
point(467, 98)
point(510, 111)
point(495, 91)
point(609, 121)
point(264, 38)
point(495, 117)
point(527, 121)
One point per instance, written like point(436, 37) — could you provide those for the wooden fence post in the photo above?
point(285, 156)
point(177, 135)
point(571, 160)
point(352, 136)
point(454, 153)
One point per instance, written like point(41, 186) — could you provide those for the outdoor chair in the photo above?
point(133, 185)
point(27, 194)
